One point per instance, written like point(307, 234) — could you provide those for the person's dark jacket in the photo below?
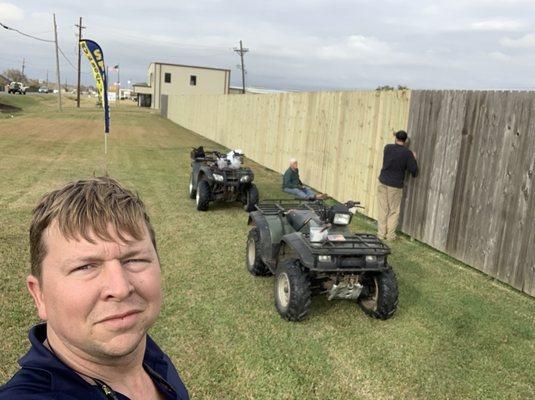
point(397, 159)
point(291, 179)
point(43, 376)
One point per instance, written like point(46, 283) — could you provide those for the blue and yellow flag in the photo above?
point(94, 54)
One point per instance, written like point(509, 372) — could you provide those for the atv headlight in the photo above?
point(219, 178)
point(371, 259)
point(326, 259)
point(245, 178)
point(341, 219)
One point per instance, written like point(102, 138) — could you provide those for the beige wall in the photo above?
point(142, 89)
point(338, 137)
point(209, 81)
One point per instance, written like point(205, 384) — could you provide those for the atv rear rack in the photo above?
point(282, 206)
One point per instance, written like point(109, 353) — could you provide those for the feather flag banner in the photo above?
point(94, 54)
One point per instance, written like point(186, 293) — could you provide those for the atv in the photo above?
point(216, 176)
point(310, 250)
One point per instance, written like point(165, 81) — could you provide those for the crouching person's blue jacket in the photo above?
point(43, 376)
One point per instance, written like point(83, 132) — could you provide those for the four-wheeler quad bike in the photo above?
point(310, 250)
point(215, 176)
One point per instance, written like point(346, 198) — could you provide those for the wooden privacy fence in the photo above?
point(337, 137)
point(474, 197)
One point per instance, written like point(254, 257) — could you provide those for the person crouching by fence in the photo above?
point(291, 183)
point(397, 160)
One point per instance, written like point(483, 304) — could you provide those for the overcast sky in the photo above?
point(294, 44)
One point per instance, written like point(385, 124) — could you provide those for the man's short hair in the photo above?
point(401, 136)
point(87, 207)
point(292, 160)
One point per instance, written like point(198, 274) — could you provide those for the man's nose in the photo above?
point(116, 281)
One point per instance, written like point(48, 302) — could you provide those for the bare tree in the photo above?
point(14, 75)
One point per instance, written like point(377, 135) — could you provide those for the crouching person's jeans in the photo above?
point(303, 193)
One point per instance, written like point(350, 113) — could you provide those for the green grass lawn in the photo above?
point(456, 335)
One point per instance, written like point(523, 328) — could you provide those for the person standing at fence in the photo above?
point(397, 160)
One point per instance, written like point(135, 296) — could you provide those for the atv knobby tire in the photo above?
point(202, 196)
point(292, 291)
point(251, 198)
point(191, 190)
point(253, 261)
point(379, 297)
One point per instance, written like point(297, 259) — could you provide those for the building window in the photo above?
point(167, 77)
point(193, 80)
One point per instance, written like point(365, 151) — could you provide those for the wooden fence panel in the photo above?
point(338, 137)
point(474, 198)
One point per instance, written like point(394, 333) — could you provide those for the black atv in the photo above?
point(310, 250)
point(214, 177)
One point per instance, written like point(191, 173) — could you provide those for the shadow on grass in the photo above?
point(6, 109)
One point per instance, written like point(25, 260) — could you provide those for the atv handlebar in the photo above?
point(352, 204)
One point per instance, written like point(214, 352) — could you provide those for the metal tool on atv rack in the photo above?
point(216, 177)
point(310, 250)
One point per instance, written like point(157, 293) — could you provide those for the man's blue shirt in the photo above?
point(43, 376)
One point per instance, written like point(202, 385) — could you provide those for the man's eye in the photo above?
point(85, 267)
point(135, 261)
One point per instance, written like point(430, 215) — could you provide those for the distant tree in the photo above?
point(14, 75)
point(33, 85)
point(385, 88)
point(388, 87)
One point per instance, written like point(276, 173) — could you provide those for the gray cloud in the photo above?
point(300, 44)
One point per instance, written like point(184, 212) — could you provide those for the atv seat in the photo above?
point(299, 218)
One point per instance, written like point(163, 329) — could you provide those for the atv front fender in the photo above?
point(294, 244)
point(271, 230)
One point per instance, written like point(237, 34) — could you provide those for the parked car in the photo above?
point(44, 89)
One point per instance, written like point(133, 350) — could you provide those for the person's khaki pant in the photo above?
point(389, 201)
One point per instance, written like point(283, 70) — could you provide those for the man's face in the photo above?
point(98, 299)
point(294, 165)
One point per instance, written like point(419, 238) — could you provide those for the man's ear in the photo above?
point(35, 289)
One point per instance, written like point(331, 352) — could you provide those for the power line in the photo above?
point(25, 34)
point(65, 57)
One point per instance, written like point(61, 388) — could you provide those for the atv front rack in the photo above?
point(357, 243)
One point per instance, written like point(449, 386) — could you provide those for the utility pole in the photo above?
point(22, 70)
point(241, 51)
point(47, 78)
point(57, 60)
point(80, 27)
point(118, 86)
